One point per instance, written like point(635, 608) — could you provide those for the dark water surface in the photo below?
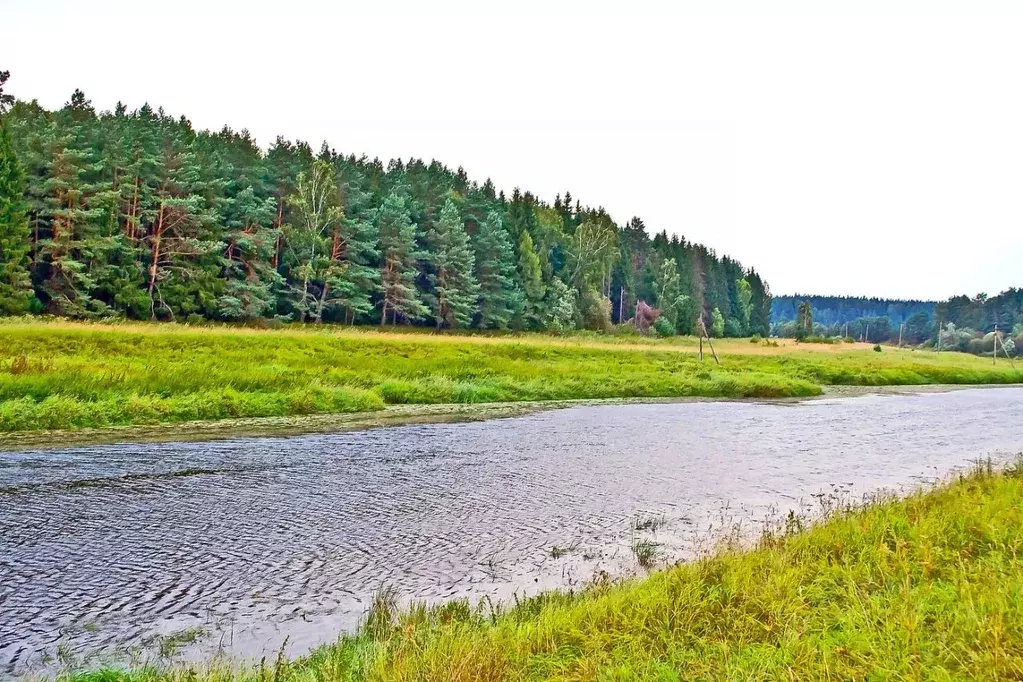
point(109, 550)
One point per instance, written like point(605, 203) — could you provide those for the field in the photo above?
point(65, 375)
point(929, 587)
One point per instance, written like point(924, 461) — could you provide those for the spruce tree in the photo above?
point(453, 288)
point(500, 297)
point(398, 253)
point(15, 286)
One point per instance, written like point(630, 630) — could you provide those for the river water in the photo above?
point(121, 551)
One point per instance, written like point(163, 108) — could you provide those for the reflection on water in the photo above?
point(108, 547)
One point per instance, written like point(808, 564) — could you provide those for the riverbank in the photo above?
point(897, 588)
point(59, 375)
point(389, 416)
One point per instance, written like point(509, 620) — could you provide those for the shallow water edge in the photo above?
point(393, 415)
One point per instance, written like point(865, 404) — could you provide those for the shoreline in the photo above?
point(423, 640)
point(392, 416)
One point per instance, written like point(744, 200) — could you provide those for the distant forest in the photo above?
point(837, 310)
point(134, 213)
point(961, 323)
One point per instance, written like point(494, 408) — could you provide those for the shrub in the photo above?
point(664, 327)
point(877, 348)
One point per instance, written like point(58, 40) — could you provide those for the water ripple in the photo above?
point(108, 548)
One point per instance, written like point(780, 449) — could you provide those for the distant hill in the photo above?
point(832, 310)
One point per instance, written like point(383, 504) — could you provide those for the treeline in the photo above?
point(973, 324)
point(137, 214)
point(837, 310)
point(961, 323)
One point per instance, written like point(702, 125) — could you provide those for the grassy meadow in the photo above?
point(66, 375)
point(927, 587)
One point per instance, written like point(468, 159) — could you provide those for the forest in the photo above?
point(136, 214)
point(961, 323)
point(837, 310)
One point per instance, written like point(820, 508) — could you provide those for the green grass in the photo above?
point(62, 375)
point(928, 587)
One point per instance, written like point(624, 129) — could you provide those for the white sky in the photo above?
point(877, 151)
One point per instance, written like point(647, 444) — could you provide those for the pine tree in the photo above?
point(251, 281)
point(180, 251)
point(77, 202)
point(454, 289)
point(138, 214)
point(6, 100)
point(349, 280)
point(531, 278)
point(398, 253)
point(15, 285)
point(500, 297)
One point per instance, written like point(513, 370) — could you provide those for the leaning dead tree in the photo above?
point(645, 317)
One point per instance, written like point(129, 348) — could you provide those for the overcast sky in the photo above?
point(878, 152)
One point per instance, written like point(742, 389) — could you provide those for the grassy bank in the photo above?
point(929, 587)
point(62, 375)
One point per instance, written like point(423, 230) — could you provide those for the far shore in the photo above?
point(391, 416)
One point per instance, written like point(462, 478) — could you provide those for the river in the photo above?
point(120, 551)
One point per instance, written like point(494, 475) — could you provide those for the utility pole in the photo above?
point(901, 327)
point(994, 353)
point(621, 306)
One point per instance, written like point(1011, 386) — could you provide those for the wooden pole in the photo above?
point(994, 353)
point(714, 352)
point(938, 349)
point(703, 332)
point(621, 306)
point(901, 327)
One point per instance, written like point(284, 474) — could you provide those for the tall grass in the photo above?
point(68, 375)
point(926, 587)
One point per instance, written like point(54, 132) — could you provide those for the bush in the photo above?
point(756, 338)
point(877, 348)
point(664, 327)
point(595, 310)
